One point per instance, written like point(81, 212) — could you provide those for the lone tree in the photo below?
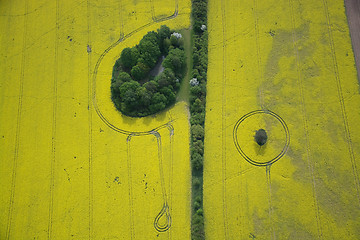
point(260, 137)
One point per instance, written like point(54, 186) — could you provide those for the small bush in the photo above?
point(197, 132)
point(198, 147)
point(196, 182)
point(197, 106)
point(197, 161)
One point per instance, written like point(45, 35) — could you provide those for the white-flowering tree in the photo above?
point(177, 35)
point(194, 82)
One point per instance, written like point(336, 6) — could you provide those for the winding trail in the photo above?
point(165, 210)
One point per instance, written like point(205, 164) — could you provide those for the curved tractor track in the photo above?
point(165, 210)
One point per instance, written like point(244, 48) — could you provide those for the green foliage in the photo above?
point(166, 78)
point(149, 49)
point(164, 32)
point(118, 80)
point(197, 147)
point(128, 95)
point(174, 41)
point(197, 132)
point(145, 96)
point(196, 205)
point(164, 35)
point(196, 182)
point(137, 73)
point(158, 102)
point(133, 91)
point(166, 46)
point(124, 77)
point(196, 91)
point(169, 94)
point(152, 37)
point(196, 161)
point(151, 86)
point(175, 60)
point(197, 118)
point(197, 228)
point(261, 137)
point(117, 68)
point(197, 106)
point(129, 57)
point(197, 109)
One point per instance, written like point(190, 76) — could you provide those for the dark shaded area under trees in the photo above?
point(134, 92)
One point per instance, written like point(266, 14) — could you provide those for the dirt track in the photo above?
point(353, 14)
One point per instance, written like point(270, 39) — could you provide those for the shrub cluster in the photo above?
point(133, 90)
point(197, 110)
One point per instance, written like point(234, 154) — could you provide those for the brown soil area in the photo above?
point(353, 16)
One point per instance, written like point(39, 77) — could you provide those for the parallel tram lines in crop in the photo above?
point(293, 59)
point(67, 173)
point(165, 210)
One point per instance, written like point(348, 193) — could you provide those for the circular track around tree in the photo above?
point(273, 150)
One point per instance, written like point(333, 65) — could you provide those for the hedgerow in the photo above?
point(197, 112)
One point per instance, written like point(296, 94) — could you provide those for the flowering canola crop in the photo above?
point(286, 67)
point(67, 171)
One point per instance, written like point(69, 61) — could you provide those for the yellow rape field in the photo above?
point(72, 167)
point(286, 67)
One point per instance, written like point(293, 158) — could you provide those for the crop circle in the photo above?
point(273, 150)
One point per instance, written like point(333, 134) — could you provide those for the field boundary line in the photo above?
point(305, 124)
point(53, 138)
point(91, 197)
point(341, 100)
point(131, 210)
point(152, 10)
point(5, 46)
point(262, 106)
point(258, 58)
point(223, 122)
point(171, 169)
point(121, 19)
point(18, 125)
point(268, 183)
point(159, 144)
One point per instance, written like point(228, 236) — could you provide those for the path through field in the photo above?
point(286, 67)
point(72, 167)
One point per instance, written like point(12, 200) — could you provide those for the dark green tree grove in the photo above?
point(133, 91)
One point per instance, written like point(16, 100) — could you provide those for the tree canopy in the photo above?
point(134, 92)
point(261, 137)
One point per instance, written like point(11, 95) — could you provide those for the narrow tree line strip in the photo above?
point(197, 111)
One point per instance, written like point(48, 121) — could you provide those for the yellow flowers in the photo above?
point(74, 167)
point(65, 172)
point(294, 59)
